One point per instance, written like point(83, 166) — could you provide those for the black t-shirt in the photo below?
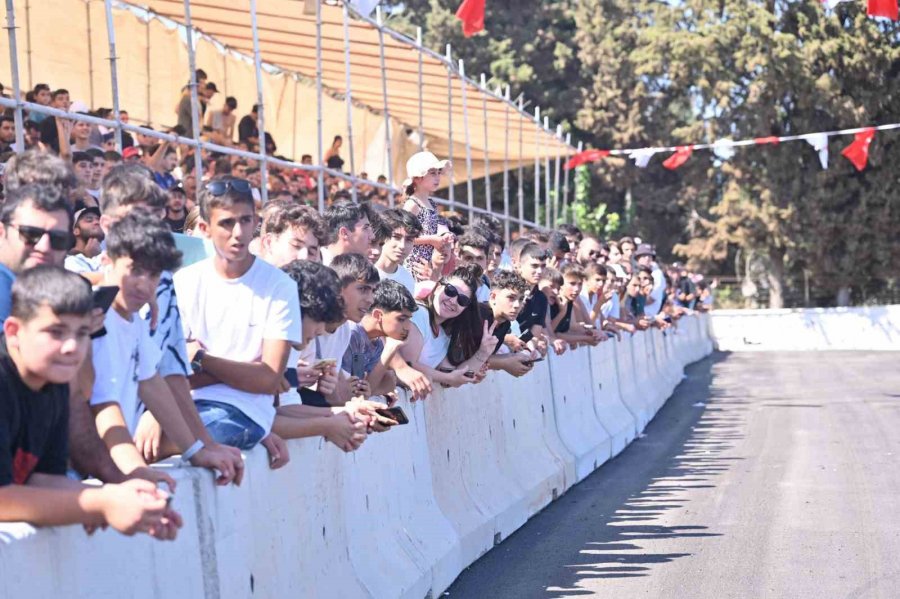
point(502, 329)
point(534, 312)
point(34, 426)
point(176, 225)
point(247, 128)
point(563, 325)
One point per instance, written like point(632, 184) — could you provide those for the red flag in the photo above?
point(471, 13)
point(883, 8)
point(681, 155)
point(767, 140)
point(858, 151)
point(585, 157)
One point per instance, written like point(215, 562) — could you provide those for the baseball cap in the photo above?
point(420, 163)
point(131, 152)
point(645, 249)
point(84, 211)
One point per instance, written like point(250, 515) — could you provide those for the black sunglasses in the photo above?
point(220, 188)
point(59, 240)
point(461, 299)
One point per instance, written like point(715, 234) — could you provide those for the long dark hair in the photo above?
point(465, 330)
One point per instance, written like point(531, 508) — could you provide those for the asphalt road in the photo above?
point(765, 475)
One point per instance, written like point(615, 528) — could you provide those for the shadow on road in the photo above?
point(605, 526)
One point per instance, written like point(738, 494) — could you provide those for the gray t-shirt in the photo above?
point(370, 349)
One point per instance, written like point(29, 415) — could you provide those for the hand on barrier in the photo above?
point(278, 451)
point(139, 506)
point(153, 475)
point(347, 432)
point(459, 377)
point(521, 366)
point(514, 343)
point(418, 383)
point(359, 387)
point(226, 460)
point(559, 347)
point(148, 437)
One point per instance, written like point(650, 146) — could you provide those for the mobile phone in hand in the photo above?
point(396, 414)
point(104, 296)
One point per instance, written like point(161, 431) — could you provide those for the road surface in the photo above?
point(765, 475)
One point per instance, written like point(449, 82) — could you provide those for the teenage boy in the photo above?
point(45, 340)
point(592, 293)
point(570, 319)
point(238, 357)
point(396, 232)
point(504, 303)
point(35, 229)
point(645, 256)
point(376, 338)
point(319, 292)
point(474, 248)
point(533, 320)
point(349, 229)
point(125, 358)
point(358, 279)
point(291, 232)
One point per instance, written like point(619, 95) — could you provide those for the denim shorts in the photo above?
point(228, 425)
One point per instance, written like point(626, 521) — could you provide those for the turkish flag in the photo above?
point(585, 157)
point(471, 13)
point(681, 155)
point(858, 151)
point(883, 8)
point(767, 140)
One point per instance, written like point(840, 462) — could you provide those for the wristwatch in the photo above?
point(197, 362)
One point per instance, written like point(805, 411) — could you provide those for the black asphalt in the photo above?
point(765, 475)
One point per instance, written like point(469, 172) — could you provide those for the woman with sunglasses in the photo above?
point(451, 343)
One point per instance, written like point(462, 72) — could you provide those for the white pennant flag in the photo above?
point(642, 157)
point(364, 7)
point(831, 4)
point(820, 142)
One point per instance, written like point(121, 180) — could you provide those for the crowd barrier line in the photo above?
point(403, 516)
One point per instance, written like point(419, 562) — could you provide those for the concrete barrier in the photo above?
point(400, 518)
point(813, 329)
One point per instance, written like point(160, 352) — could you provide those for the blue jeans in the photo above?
point(228, 425)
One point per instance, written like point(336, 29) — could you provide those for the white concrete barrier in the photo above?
point(402, 517)
point(874, 328)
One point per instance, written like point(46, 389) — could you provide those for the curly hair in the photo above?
point(42, 168)
point(508, 279)
point(319, 289)
point(288, 215)
point(391, 296)
point(130, 184)
point(145, 239)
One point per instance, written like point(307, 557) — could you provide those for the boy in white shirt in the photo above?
point(240, 316)
point(125, 358)
point(396, 232)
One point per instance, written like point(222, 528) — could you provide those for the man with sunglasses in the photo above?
point(35, 228)
point(589, 250)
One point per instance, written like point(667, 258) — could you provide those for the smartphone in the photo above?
point(324, 363)
point(469, 374)
point(104, 296)
point(357, 367)
point(531, 362)
point(396, 413)
point(444, 369)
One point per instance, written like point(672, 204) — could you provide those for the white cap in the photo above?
point(419, 164)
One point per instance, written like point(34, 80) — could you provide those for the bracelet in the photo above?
point(192, 450)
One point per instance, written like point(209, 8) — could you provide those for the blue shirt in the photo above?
point(7, 277)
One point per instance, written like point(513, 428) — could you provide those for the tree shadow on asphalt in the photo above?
point(605, 526)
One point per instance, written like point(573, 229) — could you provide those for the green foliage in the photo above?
point(635, 73)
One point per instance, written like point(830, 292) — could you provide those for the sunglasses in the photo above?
point(461, 299)
point(220, 188)
point(31, 236)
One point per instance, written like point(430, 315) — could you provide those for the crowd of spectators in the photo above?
point(123, 346)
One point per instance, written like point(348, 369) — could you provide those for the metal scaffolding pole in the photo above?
point(257, 65)
point(90, 53)
point(566, 181)
point(28, 42)
point(521, 190)
point(113, 70)
point(320, 174)
point(487, 158)
point(506, 169)
point(149, 77)
point(387, 114)
point(349, 98)
point(294, 120)
point(549, 214)
point(470, 196)
point(557, 200)
point(537, 164)
point(420, 54)
point(195, 102)
point(14, 69)
point(452, 195)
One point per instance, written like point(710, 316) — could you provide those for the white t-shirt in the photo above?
point(232, 318)
point(334, 345)
point(123, 357)
point(612, 307)
point(657, 293)
point(434, 350)
point(402, 276)
point(80, 263)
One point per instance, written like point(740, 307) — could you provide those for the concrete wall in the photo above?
point(401, 517)
point(875, 328)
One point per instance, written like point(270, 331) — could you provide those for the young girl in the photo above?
point(424, 172)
